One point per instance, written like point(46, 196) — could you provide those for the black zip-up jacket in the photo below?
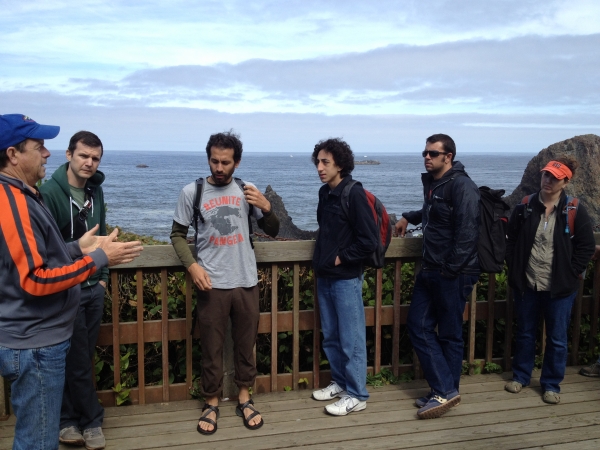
point(450, 220)
point(571, 254)
point(352, 240)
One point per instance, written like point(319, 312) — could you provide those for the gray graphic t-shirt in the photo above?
point(223, 244)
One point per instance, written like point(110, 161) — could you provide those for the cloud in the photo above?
point(524, 74)
point(136, 127)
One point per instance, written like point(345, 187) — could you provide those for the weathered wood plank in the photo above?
point(164, 256)
point(140, 339)
point(396, 317)
point(274, 317)
point(296, 328)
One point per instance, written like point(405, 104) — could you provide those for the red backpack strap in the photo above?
point(571, 212)
point(526, 199)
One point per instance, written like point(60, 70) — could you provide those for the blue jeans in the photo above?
point(37, 377)
point(439, 302)
point(529, 306)
point(80, 405)
point(344, 333)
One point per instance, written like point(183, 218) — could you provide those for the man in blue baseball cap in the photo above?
point(39, 283)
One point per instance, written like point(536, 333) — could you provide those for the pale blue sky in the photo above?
point(499, 75)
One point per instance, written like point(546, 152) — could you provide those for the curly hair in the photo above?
point(342, 154)
point(568, 161)
point(227, 139)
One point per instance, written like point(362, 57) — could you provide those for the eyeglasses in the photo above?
point(433, 153)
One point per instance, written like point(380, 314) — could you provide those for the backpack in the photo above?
point(493, 224)
point(491, 245)
point(570, 211)
point(198, 215)
point(382, 222)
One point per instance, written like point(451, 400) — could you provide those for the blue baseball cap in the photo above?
point(15, 128)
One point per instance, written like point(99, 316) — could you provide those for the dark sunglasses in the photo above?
point(433, 153)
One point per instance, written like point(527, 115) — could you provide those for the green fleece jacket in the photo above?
point(57, 197)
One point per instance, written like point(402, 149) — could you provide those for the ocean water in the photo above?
point(142, 200)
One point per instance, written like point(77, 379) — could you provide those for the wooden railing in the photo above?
point(275, 255)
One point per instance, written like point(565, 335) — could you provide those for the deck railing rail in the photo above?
point(162, 259)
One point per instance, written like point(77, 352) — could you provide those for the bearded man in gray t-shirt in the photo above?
point(225, 273)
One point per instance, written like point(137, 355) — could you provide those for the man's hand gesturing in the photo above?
point(117, 252)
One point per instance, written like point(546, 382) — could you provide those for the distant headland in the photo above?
point(367, 162)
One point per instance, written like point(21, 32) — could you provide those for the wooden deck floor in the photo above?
point(488, 417)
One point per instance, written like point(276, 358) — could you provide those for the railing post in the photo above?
point(274, 344)
point(165, 334)
point(316, 338)
point(377, 324)
point(140, 335)
point(296, 329)
point(508, 332)
point(396, 329)
point(472, 322)
point(116, 332)
point(4, 402)
point(595, 306)
point(489, 343)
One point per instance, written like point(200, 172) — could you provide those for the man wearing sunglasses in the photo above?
point(74, 197)
point(450, 220)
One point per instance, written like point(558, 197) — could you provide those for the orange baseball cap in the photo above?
point(559, 170)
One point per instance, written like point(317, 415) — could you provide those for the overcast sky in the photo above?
point(496, 75)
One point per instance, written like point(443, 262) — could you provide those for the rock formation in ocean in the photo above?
point(586, 182)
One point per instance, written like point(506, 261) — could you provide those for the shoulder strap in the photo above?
point(570, 211)
point(197, 214)
point(526, 201)
point(90, 191)
point(345, 197)
point(241, 184)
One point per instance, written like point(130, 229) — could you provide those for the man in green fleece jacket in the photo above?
point(74, 197)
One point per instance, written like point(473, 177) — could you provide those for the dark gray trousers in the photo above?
point(80, 405)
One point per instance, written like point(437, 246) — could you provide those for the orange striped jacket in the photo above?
point(40, 276)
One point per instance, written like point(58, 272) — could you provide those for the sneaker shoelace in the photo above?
point(346, 399)
point(439, 399)
point(93, 432)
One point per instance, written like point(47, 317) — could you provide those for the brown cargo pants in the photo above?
point(215, 307)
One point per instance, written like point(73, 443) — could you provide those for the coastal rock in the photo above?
point(585, 185)
point(367, 162)
point(287, 229)
point(142, 166)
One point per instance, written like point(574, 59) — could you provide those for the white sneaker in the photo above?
point(345, 406)
point(94, 438)
point(331, 391)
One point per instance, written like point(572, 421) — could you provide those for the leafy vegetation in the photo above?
point(175, 282)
